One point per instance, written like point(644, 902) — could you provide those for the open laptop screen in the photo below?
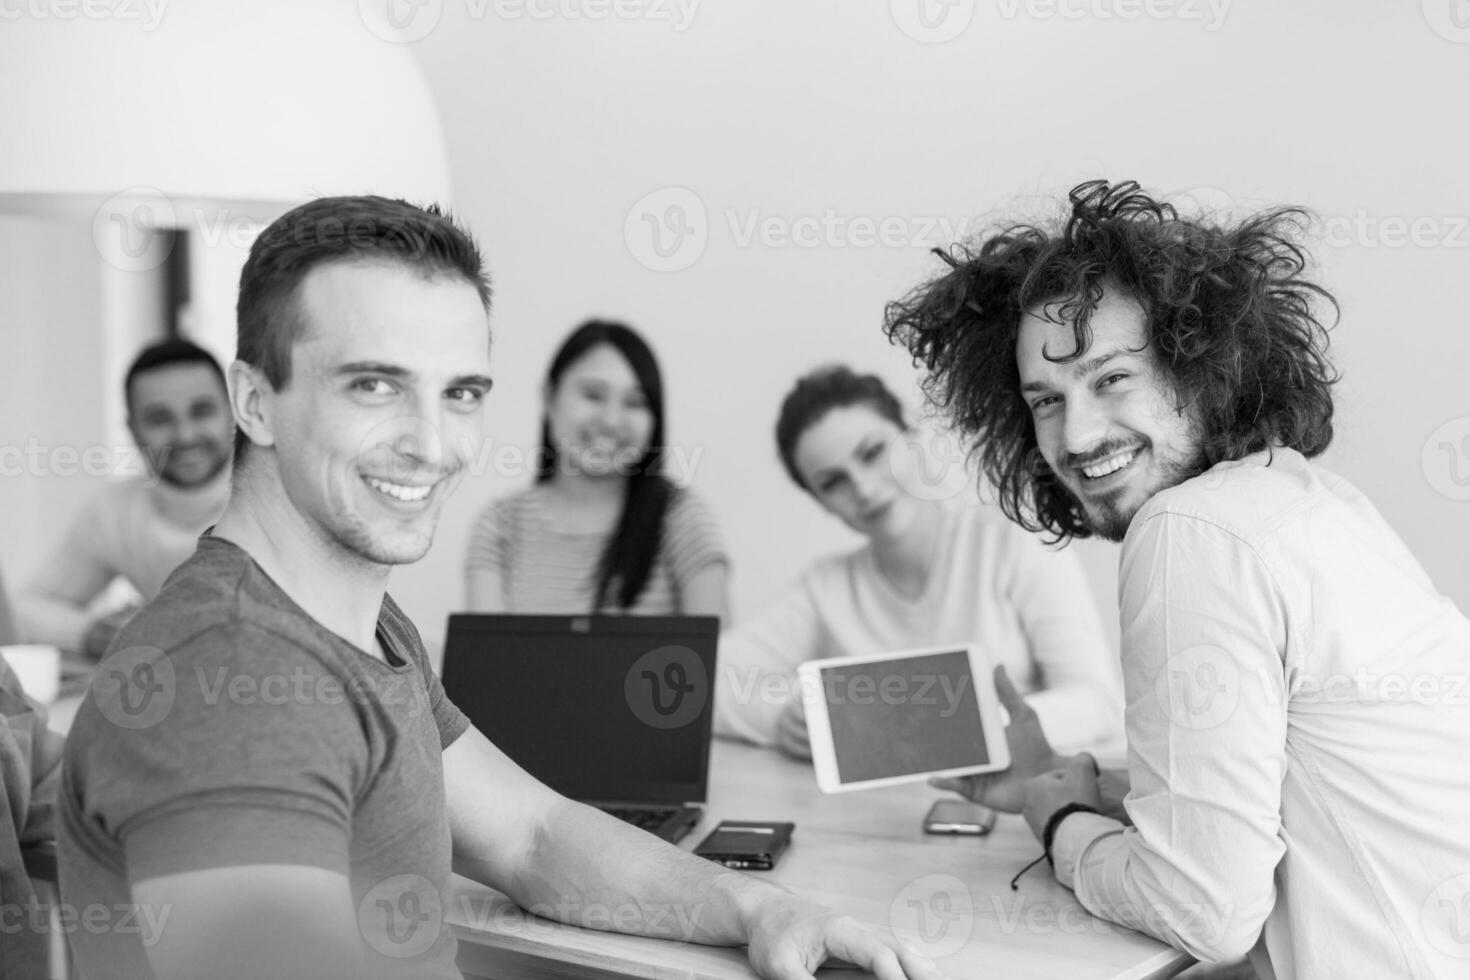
point(597, 707)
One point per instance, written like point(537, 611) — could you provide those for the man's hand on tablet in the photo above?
point(791, 937)
point(1031, 755)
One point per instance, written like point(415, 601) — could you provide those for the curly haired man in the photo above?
point(1296, 705)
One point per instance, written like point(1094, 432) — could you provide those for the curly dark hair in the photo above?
point(1230, 317)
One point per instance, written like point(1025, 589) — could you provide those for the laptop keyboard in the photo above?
point(642, 817)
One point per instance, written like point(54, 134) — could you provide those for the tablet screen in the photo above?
point(904, 716)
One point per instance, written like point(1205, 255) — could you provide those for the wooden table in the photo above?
point(862, 853)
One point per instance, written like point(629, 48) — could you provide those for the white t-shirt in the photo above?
point(136, 530)
point(1298, 724)
point(992, 583)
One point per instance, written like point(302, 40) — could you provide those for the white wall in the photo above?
point(53, 396)
point(765, 109)
point(773, 109)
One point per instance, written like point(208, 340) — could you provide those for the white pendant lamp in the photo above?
point(196, 107)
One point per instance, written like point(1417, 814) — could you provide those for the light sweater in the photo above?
point(992, 583)
point(134, 529)
point(1298, 722)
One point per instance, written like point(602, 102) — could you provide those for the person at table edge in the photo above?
point(139, 529)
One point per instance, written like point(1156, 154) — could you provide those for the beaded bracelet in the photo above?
point(1049, 833)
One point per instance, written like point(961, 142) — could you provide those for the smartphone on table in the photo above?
point(959, 817)
point(749, 845)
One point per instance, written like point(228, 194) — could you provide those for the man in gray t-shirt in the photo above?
point(267, 780)
point(230, 724)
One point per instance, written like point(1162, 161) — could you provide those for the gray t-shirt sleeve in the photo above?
point(450, 721)
point(257, 760)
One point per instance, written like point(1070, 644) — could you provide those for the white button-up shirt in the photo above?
point(1298, 721)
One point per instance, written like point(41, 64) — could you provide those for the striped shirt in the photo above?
point(545, 569)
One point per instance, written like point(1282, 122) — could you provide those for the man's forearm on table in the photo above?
point(591, 870)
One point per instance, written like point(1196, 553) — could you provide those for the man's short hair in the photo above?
point(174, 350)
point(338, 229)
point(1231, 325)
point(819, 392)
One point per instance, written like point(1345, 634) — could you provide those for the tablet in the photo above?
point(902, 717)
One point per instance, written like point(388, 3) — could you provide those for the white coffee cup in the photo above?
point(37, 666)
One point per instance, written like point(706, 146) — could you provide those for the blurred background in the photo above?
point(746, 182)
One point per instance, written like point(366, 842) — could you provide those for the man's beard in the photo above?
point(1111, 517)
point(166, 474)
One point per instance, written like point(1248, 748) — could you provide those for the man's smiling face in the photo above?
point(1107, 423)
point(384, 406)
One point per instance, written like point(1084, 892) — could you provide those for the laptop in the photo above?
point(613, 711)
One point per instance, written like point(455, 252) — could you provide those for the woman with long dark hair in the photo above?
point(602, 529)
